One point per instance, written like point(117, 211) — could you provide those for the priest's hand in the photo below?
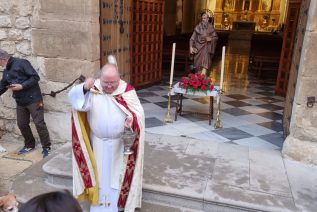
point(128, 122)
point(89, 83)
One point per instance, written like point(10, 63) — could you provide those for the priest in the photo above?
point(102, 174)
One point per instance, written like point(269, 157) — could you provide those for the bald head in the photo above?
point(109, 78)
point(110, 69)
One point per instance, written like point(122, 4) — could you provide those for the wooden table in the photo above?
point(180, 92)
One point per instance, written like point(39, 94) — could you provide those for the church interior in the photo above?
point(253, 100)
point(256, 25)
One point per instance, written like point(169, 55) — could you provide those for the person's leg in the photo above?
point(37, 113)
point(23, 121)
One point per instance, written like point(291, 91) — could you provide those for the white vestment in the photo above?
point(106, 120)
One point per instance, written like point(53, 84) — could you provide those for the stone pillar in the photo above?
point(301, 144)
point(275, 13)
point(61, 40)
point(179, 15)
point(170, 18)
point(199, 6)
point(218, 13)
point(188, 23)
point(283, 9)
point(211, 5)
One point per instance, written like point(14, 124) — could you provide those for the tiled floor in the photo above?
point(251, 114)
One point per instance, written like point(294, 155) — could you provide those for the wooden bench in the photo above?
point(265, 53)
point(181, 51)
point(264, 64)
point(181, 57)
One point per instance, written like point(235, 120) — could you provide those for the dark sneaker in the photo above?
point(46, 152)
point(25, 150)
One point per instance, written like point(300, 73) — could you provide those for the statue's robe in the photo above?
point(205, 49)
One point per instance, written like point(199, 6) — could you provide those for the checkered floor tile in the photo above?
point(249, 120)
point(251, 114)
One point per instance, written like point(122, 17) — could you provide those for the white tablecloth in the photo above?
point(178, 90)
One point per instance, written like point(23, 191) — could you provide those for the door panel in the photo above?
point(115, 34)
point(147, 20)
point(287, 48)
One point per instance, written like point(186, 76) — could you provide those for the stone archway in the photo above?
point(301, 144)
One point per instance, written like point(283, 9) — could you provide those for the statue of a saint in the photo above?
point(202, 44)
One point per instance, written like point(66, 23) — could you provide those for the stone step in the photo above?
point(165, 202)
point(58, 174)
point(59, 171)
point(179, 174)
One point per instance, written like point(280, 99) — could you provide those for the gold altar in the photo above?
point(264, 14)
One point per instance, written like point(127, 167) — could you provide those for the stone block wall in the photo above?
point(301, 144)
point(61, 40)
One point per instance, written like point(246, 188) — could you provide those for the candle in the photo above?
point(222, 66)
point(172, 64)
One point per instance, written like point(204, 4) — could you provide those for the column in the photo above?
point(218, 13)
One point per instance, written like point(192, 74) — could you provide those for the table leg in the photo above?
point(181, 104)
point(211, 109)
point(177, 106)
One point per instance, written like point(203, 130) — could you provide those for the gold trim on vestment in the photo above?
point(89, 194)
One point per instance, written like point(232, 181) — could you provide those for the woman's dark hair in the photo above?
point(57, 201)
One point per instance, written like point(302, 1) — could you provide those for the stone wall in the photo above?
point(301, 144)
point(61, 40)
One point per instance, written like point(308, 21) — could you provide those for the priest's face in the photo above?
point(109, 79)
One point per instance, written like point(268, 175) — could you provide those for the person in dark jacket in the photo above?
point(20, 77)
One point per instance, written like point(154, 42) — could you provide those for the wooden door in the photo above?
point(300, 9)
point(287, 48)
point(115, 34)
point(146, 41)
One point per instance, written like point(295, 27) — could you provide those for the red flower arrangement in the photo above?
point(196, 83)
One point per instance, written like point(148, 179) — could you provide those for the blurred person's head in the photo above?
point(57, 201)
point(4, 57)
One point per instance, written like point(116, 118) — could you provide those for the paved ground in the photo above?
point(12, 164)
point(204, 173)
point(228, 174)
